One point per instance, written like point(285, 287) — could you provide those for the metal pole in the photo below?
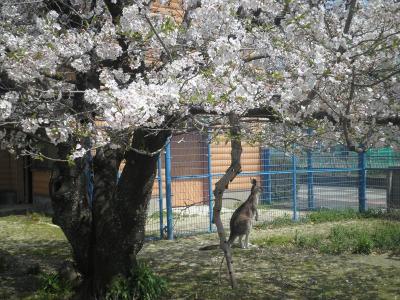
point(362, 182)
point(294, 187)
point(210, 186)
point(168, 190)
point(310, 181)
point(160, 197)
point(266, 177)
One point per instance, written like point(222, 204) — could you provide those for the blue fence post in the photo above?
point(210, 186)
point(266, 196)
point(160, 197)
point(362, 181)
point(294, 187)
point(310, 181)
point(168, 191)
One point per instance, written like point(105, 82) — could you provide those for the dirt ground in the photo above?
point(29, 243)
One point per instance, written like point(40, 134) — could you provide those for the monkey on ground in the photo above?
point(242, 219)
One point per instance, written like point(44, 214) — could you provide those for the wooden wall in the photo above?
point(188, 157)
point(8, 172)
point(40, 183)
point(171, 8)
point(250, 160)
point(14, 179)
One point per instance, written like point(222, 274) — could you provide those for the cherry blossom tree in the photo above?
point(113, 79)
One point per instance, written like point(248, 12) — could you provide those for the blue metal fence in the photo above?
point(294, 184)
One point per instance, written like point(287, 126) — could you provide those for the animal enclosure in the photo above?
point(293, 185)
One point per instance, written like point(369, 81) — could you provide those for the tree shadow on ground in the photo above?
point(262, 272)
point(23, 262)
point(272, 273)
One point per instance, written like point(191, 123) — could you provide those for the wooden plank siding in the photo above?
point(8, 172)
point(40, 183)
point(189, 157)
point(250, 160)
point(14, 177)
point(170, 8)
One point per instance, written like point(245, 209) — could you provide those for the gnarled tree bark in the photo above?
point(234, 169)
point(106, 234)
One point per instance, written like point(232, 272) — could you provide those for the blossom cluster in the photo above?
point(301, 59)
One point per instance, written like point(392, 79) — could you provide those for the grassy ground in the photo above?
point(317, 258)
point(29, 245)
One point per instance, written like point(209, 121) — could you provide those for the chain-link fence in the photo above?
point(293, 185)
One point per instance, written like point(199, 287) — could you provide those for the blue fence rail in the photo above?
point(293, 184)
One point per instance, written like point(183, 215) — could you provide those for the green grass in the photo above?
point(52, 287)
point(284, 221)
point(294, 261)
point(142, 284)
point(326, 215)
point(384, 236)
point(361, 238)
point(175, 215)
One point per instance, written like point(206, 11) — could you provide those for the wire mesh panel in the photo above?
point(331, 190)
point(154, 219)
point(328, 181)
point(380, 162)
point(190, 193)
point(377, 188)
point(277, 182)
point(293, 184)
point(238, 189)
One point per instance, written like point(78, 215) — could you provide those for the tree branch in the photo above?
point(158, 37)
point(349, 16)
point(255, 57)
point(234, 169)
point(349, 19)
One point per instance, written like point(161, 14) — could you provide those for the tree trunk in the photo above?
point(234, 169)
point(106, 234)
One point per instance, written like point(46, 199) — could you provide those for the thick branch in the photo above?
point(115, 8)
point(350, 16)
point(349, 19)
